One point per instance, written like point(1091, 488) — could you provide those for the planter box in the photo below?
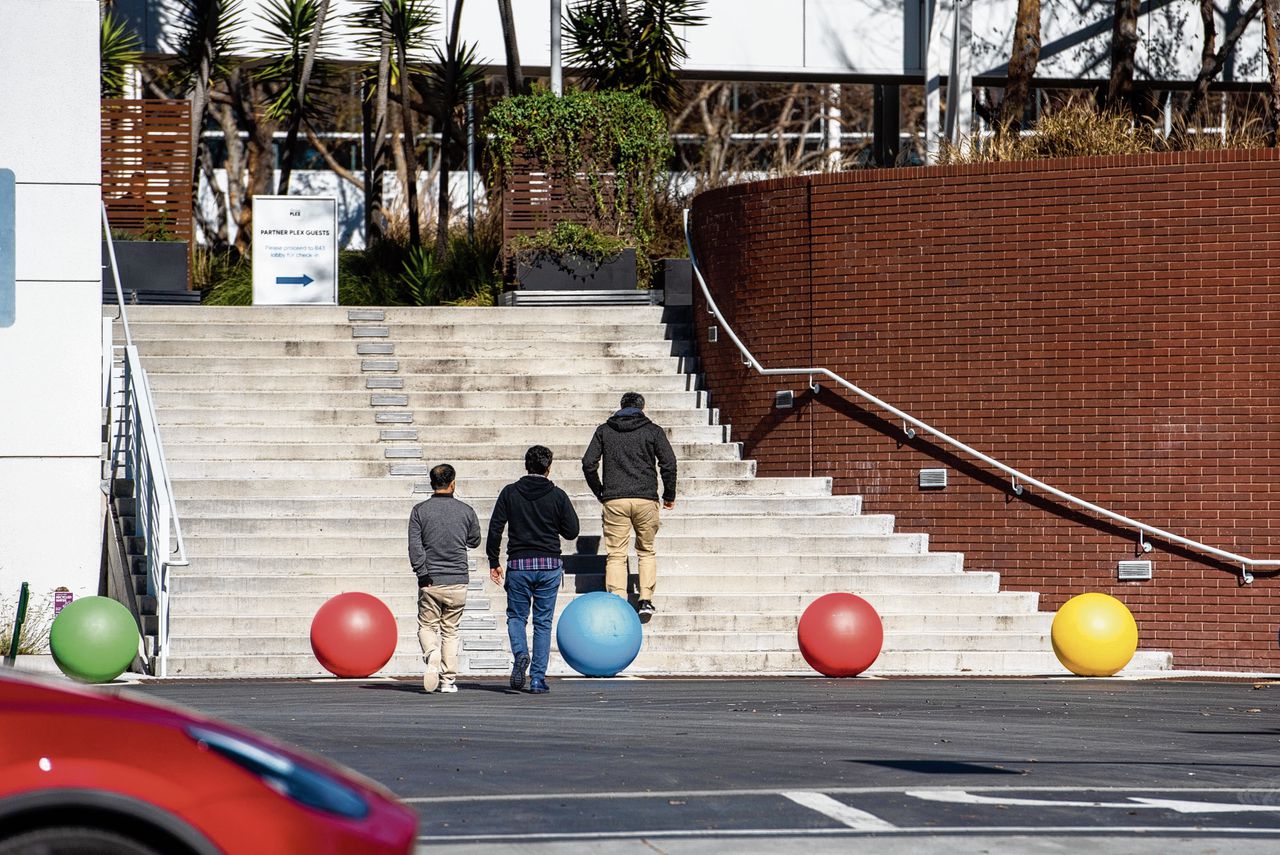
point(576, 274)
point(677, 282)
point(155, 267)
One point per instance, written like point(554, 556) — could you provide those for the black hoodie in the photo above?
point(539, 512)
point(630, 444)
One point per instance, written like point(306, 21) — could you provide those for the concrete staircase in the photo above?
point(299, 438)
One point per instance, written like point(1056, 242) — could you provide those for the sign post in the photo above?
point(295, 250)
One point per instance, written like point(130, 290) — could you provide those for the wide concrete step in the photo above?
point(352, 488)
point(395, 561)
point(311, 541)
point(354, 380)
point(497, 420)
point(504, 346)
point(408, 663)
point(461, 455)
point(674, 523)
point(861, 583)
point(405, 603)
point(365, 431)
point(453, 364)
point(474, 470)
point(475, 622)
point(434, 317)
point(602, 404)
point(787, 509)
point(655, 641)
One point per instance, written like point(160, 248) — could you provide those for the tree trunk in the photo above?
point(295, 121)
point(246, 96)
point(1211, 63)
point(1124, 44)
point(375, 137)
point(1023, 59)
point(448, 101)
point(1271, 27)
point(515, 74)
point(408, 142)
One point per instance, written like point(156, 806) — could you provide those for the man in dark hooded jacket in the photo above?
point(539, 514)
point(630, 445)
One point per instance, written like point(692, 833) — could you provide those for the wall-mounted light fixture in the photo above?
point(713, 334)
point(784, 400)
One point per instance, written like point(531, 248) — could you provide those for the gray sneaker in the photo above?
point(519, 669)
point(448, 688)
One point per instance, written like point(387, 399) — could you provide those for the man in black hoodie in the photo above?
point(540, 514)
point(630, 444)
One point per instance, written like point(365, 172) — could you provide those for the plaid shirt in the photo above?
point(545, 562)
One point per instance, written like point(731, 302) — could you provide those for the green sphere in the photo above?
point(94, 639)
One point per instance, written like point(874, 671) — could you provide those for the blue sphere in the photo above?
point(598, 634)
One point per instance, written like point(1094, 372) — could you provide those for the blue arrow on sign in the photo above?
point(304, 280)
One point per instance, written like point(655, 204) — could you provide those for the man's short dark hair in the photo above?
point(633, 399)
point(537, 460)
point(442, 476)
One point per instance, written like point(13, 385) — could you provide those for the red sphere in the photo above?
point(353, 635)
point(840, 635)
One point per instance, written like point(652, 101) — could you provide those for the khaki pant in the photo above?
point(439, 613)
point(620, 517)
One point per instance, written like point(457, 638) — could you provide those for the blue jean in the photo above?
point(536, 588)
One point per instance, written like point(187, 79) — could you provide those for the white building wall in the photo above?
point(50, 396)
point(788, 40)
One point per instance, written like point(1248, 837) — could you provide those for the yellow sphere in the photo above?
point(1094, 635)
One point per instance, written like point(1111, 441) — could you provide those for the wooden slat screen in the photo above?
point(534, 200)
point(146, 164)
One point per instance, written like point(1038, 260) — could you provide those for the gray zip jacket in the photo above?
point(441, 530)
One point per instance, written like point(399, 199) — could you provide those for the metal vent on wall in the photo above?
point(713, 334)
point(1133, 571)
point(784, 400)
point(933, 479)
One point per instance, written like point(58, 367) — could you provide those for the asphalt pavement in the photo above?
point(812, 765)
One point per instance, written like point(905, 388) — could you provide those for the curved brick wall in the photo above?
point(1108, 325)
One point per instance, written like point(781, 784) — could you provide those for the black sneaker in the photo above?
point(538, 686)
point(646, 610)
point(519, 669)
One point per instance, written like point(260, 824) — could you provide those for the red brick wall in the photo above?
point(1107, 325)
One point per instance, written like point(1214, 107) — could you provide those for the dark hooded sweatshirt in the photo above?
point(539, 514)
point(630, 444)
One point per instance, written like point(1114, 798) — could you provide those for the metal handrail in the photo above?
point(137, 447)
point(1019, 479)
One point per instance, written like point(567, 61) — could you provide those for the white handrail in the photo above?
point(135, 438)
point(1018, 478)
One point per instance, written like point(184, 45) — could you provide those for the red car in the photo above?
point(83, 771)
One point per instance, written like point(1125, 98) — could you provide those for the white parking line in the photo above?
point(856, 819)
point(1135, 803)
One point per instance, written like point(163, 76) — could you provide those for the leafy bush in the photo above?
point(1078, 129)
point(605, 149)
point(385, 274)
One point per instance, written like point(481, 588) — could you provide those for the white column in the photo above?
point(50, 507)
point(833, 137)
point(557, 77)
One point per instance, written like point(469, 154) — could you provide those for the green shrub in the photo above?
point(35, 628)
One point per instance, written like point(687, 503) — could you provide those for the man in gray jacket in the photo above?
point(630, 445)
point(441, 530)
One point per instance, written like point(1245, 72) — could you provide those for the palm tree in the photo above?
point(373, 21)
point(619, 45)
point(294, 21)
point(118, 50)
point(409, 21)
point(515, 74)
point(205, 42)
point(450, 74)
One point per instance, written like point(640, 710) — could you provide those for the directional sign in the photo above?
point(8, 247)
point(295, 250)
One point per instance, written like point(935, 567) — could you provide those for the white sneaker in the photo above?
point(448, 688)
point(431, 679)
